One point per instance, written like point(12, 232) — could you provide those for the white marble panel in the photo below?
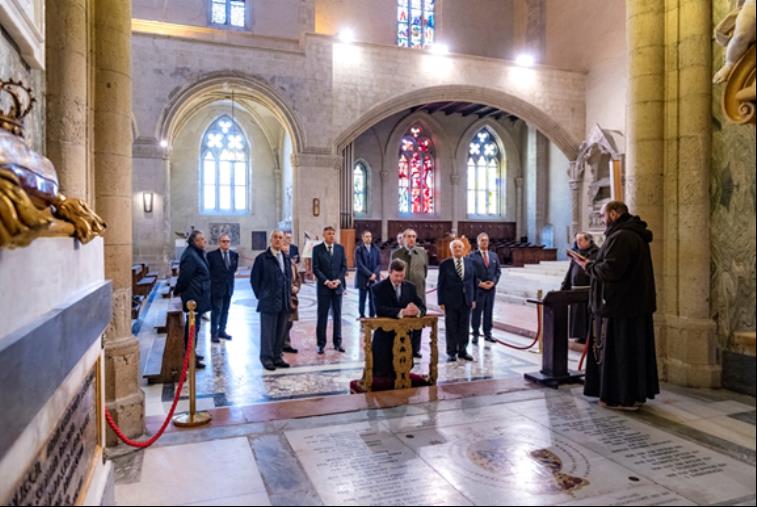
point(647, 495)
point(362, 464)
point(191, 473)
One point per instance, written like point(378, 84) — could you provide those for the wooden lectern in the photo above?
point(554, 369)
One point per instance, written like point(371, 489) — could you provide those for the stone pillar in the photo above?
point(384, 208)
point(575, 183)
point(519, 225)
point(458, 206)
point(667, 180)
point(316, 176)
point(113, 187)
point(690, 333)
point(537, 169)
point(66, 115)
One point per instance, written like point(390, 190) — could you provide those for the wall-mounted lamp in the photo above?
point(147, 200)
point(316, 207)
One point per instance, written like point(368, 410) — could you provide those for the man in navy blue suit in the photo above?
point(223, 264)
point(456, 296)
point(271, 280)
point(330, 268)
point(488, 272)
point(395, 299)
point(368, 273)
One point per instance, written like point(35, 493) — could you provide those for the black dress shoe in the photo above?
point(339, 348)
point(199, 357)
point(199, 365)
point(281, 364)
point(466, 356)
point(269, 366)
point(224, 336)
point(215, 339)
point(321, 351)
point(474, 340)
point(490, 339)
point(451, 359)
point(290, 350)
point(417, 355)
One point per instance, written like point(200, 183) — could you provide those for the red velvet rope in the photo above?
point(147, 443)
point(536, 338)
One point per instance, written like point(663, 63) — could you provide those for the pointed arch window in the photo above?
point(416, 172)
point(484, 174)
point(224, 169)
point(416, 23)
point(360, 189)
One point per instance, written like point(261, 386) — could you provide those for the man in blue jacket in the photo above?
point(487, 272)
point(330, 268)
point(456, 296)
point(271, 280)
point(193, 283)
point(223, 264)
point(368, 273)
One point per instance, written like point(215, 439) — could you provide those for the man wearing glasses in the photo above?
point(223, 266)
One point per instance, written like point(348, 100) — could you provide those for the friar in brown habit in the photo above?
point(622, 367)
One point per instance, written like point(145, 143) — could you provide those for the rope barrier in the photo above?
point(147, 443)
point(536, 338)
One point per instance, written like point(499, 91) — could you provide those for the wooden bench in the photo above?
point(171, 356)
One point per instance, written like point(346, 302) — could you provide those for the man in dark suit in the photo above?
point(223, 264)
point(271, 280)
point(193, 284)
point(293, 251)
point(368, 272)
point(487, 272)
point(395, 299)
point(330, 268)
point(457, 293)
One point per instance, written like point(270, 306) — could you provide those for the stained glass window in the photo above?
point(484, 174)
point(228, 12)
point(360, 189)
point(416, 172)
point(415, 23)
point(224, 181)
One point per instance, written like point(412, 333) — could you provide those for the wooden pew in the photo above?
point(172, 356)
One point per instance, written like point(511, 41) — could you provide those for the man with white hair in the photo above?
point(416, 260)
point(271, 280)
point(457, 297)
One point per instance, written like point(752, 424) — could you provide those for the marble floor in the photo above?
point(525, 446)
point(235, 377)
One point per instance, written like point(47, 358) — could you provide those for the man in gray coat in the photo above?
point(416, 258)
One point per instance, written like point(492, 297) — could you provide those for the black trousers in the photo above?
point(366, 293)
point(328, 302)
point(273, 327)
point(484, 305)
point(198, 324)
point(219, 313)
point(457, 322)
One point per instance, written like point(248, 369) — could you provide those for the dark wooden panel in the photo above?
point(368, 225)
point(497, 231)
point(428, 230)
point(532, 255)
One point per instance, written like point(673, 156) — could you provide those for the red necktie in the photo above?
point(486, 259)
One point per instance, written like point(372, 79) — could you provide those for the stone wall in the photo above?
point(732, 187)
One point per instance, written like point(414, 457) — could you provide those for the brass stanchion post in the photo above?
point(540, 313)
point(193, 418)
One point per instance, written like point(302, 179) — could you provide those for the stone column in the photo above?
point(667, 179)
point(519, 225)
point(384, 208)
point(316, 176)
point(575, 183)
point(690, 332)
point(456, 203)
point(537, 168)
point(113, 187)
point(66, 115)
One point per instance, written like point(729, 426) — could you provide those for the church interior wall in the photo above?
point(559, 202)
point(184, 180)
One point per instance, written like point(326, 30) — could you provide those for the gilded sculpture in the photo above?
point(31, 205)
point(736, 32)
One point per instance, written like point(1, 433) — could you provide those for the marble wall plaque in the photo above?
point(57, 475)
point(233, 230)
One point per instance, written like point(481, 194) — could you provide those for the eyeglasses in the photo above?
point(225, 241)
